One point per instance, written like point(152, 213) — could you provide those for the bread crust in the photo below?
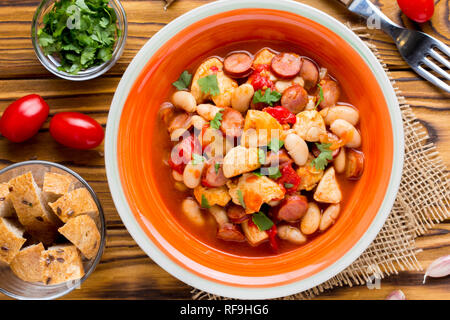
point(73, 204)
point(61, 264)
point(83, 233)
point(26, 264)
point(11, 239)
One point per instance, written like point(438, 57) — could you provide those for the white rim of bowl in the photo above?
point(111, 159)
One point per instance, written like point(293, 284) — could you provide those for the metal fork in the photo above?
point(414, 46)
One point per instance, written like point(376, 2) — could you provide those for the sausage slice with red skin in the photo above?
point(236, 213)
point(230, 232)
point(292, 208)
point(212, 178)
point(309, 73)
point(286, 65)
point(275, 159)
point(232, 122)
point(294, 98)
point(331, 93)
point(178, 121)
point(354, 166)
point(238, 64)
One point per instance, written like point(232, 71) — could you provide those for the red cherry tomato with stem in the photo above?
point(76, 130)
point(417, 10)
point(23, 118)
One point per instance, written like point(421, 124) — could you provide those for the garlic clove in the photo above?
point(438, 268)
point(396, 295)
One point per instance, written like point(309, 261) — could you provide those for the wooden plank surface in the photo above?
point(125, 271)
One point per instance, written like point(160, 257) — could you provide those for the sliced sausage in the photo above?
point(294, 98)
point(212, 176)
point(286, 65)
point(331, 93)
point(179, 121)
point(292, 208)
point(238, 64)
point(166, 112)
point(230, 232)
point(232, 122)
point(354, 165)
point(236, 213)
point(274, 159)
point(309, 73)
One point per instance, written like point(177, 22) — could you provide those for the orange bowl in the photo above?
point(139, 180)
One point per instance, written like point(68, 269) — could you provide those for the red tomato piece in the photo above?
point(76, 130)
point(272, 233)
point(23, 118)
point(417, 10)
point(289, 179)
point(259, 80)
point(283, 115)
point(182, 153)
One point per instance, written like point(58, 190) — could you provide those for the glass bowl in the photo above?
point(16, 288)
point(52, 64)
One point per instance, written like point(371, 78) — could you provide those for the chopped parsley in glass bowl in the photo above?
point(79, 39)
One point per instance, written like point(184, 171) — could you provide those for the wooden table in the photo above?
point(125, 270)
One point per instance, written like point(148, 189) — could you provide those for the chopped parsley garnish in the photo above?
point(217, 167)
point(205, 203)
point(80, 33)
point(269, 97)
point(183, 81)
point(274, 173)
point(197, 158)
point(320, 96)
point(209, 85)
point(288, 185)
point(261, 156)
point(241, 198)
point(217, 121)
point(262, 221)
point(275, 145)
point(325, 155)
point(257, 173)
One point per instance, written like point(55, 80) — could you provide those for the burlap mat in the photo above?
point(422, 201)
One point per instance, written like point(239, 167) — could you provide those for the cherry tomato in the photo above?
point(417, 10)
point(260, 78)
point(289, 179)
point(282, 114)
point(76, 130)
point(272, 232)
point(23, 118)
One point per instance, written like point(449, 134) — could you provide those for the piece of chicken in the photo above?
point(328, 190)
point(212, 196)
point(310, 125)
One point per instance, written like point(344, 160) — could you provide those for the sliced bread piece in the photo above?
point(60, 264)
point(83, 233)
point(26, 264)
point(11, 239)
point(56, 185)
point(74, 203)
point(6, 207)
point(26, 198)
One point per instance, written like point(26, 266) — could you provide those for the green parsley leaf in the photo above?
point(197, 158)
point(87, 55)
point(261, 156)
point(257, 173)
point(269, 97)
point(262, 221)
point(274, 173)
point(217, 121)
point(288, 185)
point(183, 81)
point(325, 155)
point(104, 22)
point(275, 145)
point(209, 85)
point(205, 203)
point(320, 96)
point(241, 198)
point(217, 167)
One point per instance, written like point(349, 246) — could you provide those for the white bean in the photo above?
point(339, 161)
point(349, 114)
point(291, 234)
point(192, 210)
point(311, 220)
point(184, 100)
point(192, 174)
point(207, 111)
point(297, 149)
point(343, 128)
point(177, 176)
point(242, 96)
point(274, 203)
point(329, 216)
point(220, 214)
